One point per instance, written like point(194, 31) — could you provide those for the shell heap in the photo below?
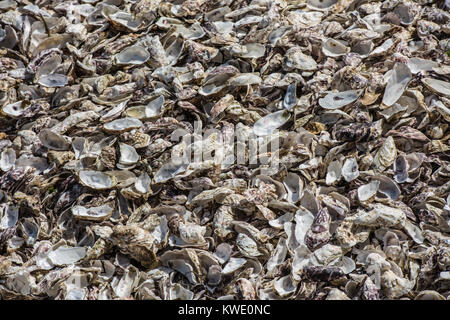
point(93, 205)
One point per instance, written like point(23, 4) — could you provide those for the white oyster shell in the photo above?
point(267, 124)
point(53, 140)
point(350, 169)
point(133, 55)
point(339, 99)
point(93, 213)
point(7, 159)
point(65, 255)
point(128, 154)
point(367, 191)
point(439, 86)
point(122, 125)
point(97, 180)
point(396, 84)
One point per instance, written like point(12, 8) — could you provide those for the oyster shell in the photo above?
point(396, 84)
point(266, 125)
point(133, 55)
point(97, 180)
point(93, 213)
point(122, 125)
point(338, 100)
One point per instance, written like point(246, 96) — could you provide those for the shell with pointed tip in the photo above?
point(397, 83)
point(269, 123)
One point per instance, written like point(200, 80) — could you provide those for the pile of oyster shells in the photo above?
point(92, 206)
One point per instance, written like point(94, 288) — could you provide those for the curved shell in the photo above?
point(321, 4)
point(54, 140)
point(126, 20)
point(363, 48)
point(396, 84)
point(339, 99)
point(367, 191)
point(214, 83)
point(387, 187)
point(168, 171)
point(174, 49)
point(48, 66)
point(53, 80)
point(350, 169)
point(244, 79)
point(334, 48)
point(294, 187)
point(438, 86)
point(233, 265)
point(223, 252)
point(65, 255)
point(97, 180)
point(153, 109)
point(386, 154)
point(133, 55)
point(8, 37)
point(247, 246)
point(249, 50)
point(114, 112)
point(284, 286)
point(290, 98)
point(122, 125)
point(7, 159)
point(267, 124)
point(93, 213)
point(296, 59)
point(142, 183)
point(128, 154)
point(15, 109)
point(417, 65)
point(400, 169)
point(334, 172)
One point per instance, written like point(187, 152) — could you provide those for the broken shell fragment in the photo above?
point(128, 154)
